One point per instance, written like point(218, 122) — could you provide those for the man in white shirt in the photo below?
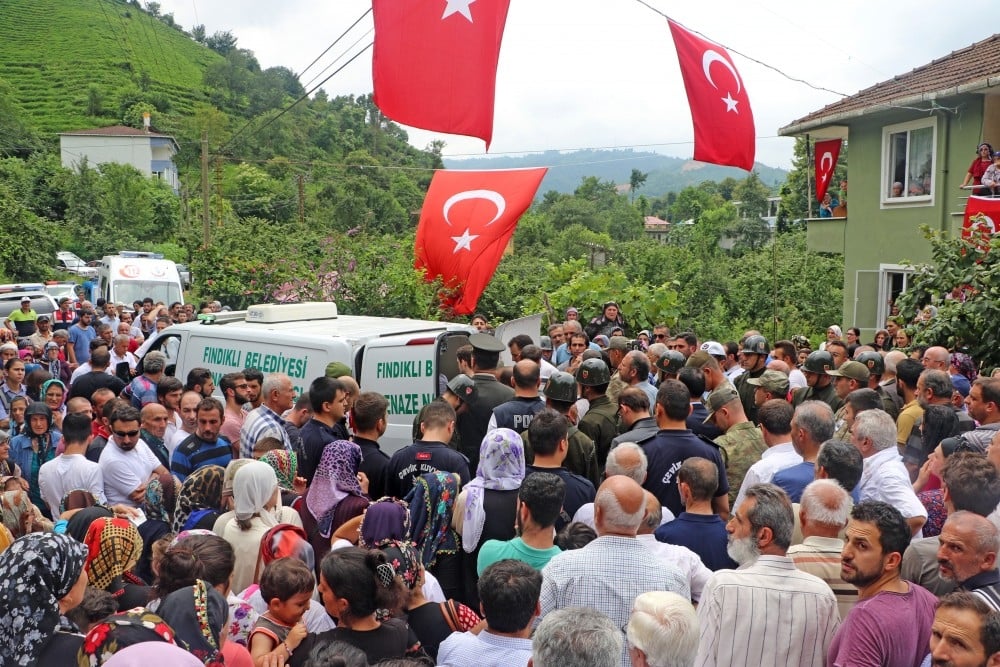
point(126, 462)
point(120, 354)
point(71, 471)
point(744, 612)
point(884, 476)
point(775, 418)
point(685, 560)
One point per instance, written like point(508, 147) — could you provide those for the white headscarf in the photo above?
point(253, 487)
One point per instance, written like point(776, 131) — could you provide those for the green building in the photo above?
point(912, 139)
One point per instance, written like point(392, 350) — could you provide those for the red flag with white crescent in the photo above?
point(434, 64)
point(982, 219)
point(720, 109)
point(825, 159)
point(465, 223)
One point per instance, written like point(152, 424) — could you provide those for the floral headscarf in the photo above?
point(115, 546)
point(15, 507)
point(161, 498)
point(501, 467)
point(120, 631)
point(965, 366)
point(201, 490)
point(36, 572)
point(198, 615)
point(336, 478)
point(285, 464)
point(403, 558)
point(432, 501)
point(385, 520)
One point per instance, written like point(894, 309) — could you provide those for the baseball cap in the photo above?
point(25, 299)
point(42, 318)
point(698, 359)
point(851, 369)
point(336, 369)
point(718, 398)
point(713, 348)
point(775, 382)
point(618, 343)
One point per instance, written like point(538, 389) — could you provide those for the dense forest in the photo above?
point(314, 197)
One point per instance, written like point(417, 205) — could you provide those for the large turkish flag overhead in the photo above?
point(723, 122)
point(825, 158)
point(466, 221)
point(982, 221)
point(435, 63)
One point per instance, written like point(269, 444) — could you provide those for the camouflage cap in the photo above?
point(337, 369)
point(851, 369)
point(775, 382)
point(720, 397)
point(699, 359)
point(618, 343)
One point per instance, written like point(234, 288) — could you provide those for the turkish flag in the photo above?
point(720, 108)
point(434, 64)
point(465, 223)
point(982, 219)
point(825, 159)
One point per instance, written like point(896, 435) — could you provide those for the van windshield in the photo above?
point(127, 291)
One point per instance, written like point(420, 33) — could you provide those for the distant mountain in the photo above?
point(666, 174)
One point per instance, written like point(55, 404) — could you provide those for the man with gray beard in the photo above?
point(742, 611)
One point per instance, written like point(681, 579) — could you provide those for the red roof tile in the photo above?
point(973, 68)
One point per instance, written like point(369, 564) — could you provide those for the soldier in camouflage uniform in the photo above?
point(876, 369)
point(601, 420)
point(851, 376)
point(753, 359)
point(820, 384)
point(741, 442)
point(771, 384)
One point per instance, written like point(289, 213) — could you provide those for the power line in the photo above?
point(337, 59)
point(334, 43)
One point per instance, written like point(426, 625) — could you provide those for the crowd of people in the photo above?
point(602, 500)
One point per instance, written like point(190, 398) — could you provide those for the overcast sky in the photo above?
point(604, 73)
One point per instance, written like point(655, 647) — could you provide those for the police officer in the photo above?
point(820, 385)
point(581, 457)
point(876, 368)
point(601, 420)
point(753, 359)
point(489, 393)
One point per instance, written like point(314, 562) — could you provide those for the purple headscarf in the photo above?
point(335, 479)
point(501, 468)
point(385, 520)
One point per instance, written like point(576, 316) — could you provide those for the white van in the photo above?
point(132, 276)
point(408, 361)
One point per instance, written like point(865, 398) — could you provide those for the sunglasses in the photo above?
point(659, 336)
point(126, 434)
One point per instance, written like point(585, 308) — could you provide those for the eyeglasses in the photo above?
point(659, 336)
point(126, 434)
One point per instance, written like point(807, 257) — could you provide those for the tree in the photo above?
point(198, 33)
point(222, 42)
point(635, 181)
point(153, 9)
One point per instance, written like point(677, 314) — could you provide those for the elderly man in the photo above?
point(610, 572)
point(743, 612)
point(812, 425)
point(823, 514)
point(278, 396)
point(683, 558)
point(629, 460)
point(662, 630)
point(965, 633)
point(580, 637)
point(968, 555)
point(885, 477)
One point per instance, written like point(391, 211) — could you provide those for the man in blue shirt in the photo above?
point(698, 528)
point(205, 447)
point(80, 335)
point(812, 425)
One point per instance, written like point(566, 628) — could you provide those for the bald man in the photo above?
point(154, 428)
point(968, 555)
point(610, 572)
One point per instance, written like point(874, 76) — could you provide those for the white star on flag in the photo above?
point(464, 242)
point(730, 103)
point(458, 7)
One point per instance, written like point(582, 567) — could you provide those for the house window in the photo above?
point(908, 162)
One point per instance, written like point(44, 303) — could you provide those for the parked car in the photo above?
point(41, 301)
point(69, 262)
point(67, 288)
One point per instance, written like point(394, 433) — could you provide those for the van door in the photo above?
point(529, 325)
point(410, 370)
point(166, 342)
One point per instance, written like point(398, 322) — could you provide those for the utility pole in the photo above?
point(206, 214)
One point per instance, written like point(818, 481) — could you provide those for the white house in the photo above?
point(150, 152)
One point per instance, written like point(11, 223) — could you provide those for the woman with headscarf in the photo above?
point(19, 515)
point(286, 467)
point(8, 468)
point(335, 495)
point(41, 576)
point(487, 506)
point(197, 614)
point(258, 507)
point(227, 482)
point(158, 505)
point(432, 503)
point(432, 622)
point(833, 332)
point(199, 502)
point(120, 631)
point(609, 320)
point(145, 654)
point(53, 394)
point(37, 445)
point(115, 546)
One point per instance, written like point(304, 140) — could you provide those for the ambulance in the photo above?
point(132, 275)
point(408, 361)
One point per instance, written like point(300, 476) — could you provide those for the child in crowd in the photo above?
point(287, 586)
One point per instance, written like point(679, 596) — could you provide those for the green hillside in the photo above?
point(53, 51)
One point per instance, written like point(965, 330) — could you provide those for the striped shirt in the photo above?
point(608, 575)
point(986, 587)
point(483, 650)
point(262, 422)
point(766, 613)
point(820, 556)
